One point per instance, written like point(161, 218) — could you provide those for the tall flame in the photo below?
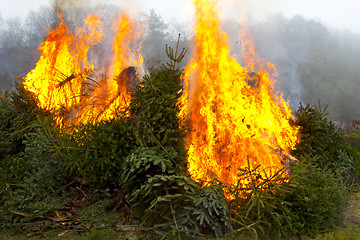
point(233, 111)
point(58, 65)
point(62, 79)
point(112, 95)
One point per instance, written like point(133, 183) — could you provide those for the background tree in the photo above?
point(12, 59)
point(36, 23)
point(315, 63)
point(155, 40)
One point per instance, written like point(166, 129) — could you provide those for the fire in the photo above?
point(63, 77)
point(233, 111)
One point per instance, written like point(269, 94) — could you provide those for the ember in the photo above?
point(233, 111)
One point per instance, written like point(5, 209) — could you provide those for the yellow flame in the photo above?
point(233, 111)
point(62, 80)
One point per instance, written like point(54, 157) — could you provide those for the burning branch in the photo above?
point(67, 79)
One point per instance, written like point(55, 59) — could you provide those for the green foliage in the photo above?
point(30, 166)
point(316, 198)
point(327, 167)
point(354, 150)
point(340, 233)
point(18, 116)
point(145, 155)
point(96, 152)
point(23, 141)
point(159, 188)
point(154, 110)
point(322, 141)
point(45, 170)
point(175, 203)
point(191, 215)
point(354, 140)
point(278, 206)
point(95, 214)
point(7, 114)
point(31, 176)
point(180, 208)
point(12, 169)
point(143, 163)
point(259, 205)
point(154, 174)
point(25, 202)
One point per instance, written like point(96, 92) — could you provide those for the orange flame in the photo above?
point(233, 112)
point(62, 79)
point(113, 96)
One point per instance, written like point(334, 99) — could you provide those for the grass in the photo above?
point(92, 234)
point(349, 232)
point(96, 223)
point(352, 224)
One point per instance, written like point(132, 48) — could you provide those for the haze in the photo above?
point(336, 14)
point(315, 45)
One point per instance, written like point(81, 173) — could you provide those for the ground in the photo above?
point(92, 222)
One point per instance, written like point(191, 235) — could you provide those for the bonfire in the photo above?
point(233, 112)
point(63, 77)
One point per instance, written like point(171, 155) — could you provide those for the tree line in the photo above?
point(316, 64)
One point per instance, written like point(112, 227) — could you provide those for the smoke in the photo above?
point(98, 5)
point(258, 10)
point(315, 63)
point(68, 4)
point(269, 48)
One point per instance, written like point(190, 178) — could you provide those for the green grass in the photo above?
point(95, 223)
point(92, 234)
point(101, 225)
point(347, 233)
point(96, 215)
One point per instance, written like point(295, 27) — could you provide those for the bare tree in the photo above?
point(37, 22)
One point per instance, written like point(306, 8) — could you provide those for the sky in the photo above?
point(335, 14)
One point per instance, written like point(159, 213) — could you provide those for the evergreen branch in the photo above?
point(158, 142)
point(50, 138)
point(174, 58)
point(174, 218)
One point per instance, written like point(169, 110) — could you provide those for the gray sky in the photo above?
point(334, 13)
